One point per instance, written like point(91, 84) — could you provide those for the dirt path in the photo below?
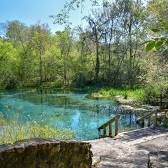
point(130, 149)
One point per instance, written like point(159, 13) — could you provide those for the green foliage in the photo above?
point(69, 56)
point(106, 53)
point(157, 43)
point(165, 122)
point(8, 61)
point(157, 76)
point(136, 94)
point(52, 85)
point(150, 45)
point(151, 93)
point(125, 95)
point(154, 91)
point(158, 24)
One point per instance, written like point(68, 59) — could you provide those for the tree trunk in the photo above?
point(65, 71)
point(40, 70)
point(130, 75)
point(97, 69)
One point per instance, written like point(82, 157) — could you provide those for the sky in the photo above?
point(33, 11)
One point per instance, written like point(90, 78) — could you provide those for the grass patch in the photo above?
point(136, 94)
point(11, 132)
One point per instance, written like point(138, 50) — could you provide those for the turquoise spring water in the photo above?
point(63, 110)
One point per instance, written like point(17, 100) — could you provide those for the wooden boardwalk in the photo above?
point(130, 149)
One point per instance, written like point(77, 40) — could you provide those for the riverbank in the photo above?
point(122, 96)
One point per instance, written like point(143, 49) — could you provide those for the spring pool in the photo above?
point(62, 109)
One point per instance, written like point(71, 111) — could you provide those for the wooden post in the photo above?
point(109, 125)
point(161, 99)
point(116, 124)
point(149, 121)
point(104, 131)
point(99, 132)
point(110, 129)
point(165, 115)
point(143, 123)
point(156, 118)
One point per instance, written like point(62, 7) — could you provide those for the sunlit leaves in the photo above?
point(158, 44)
point(161, 39)
point(155, 30)
point(8, 59)
point(150, 45)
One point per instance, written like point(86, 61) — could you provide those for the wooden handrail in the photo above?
point(149, 115)
point(146, 116)
point(164, 110)
point(108, 125)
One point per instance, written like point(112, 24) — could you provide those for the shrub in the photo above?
point(151, 93)
point(154, 91)
point(125, 95)
point(165, 122)
point(10, 83)
point(79, 80)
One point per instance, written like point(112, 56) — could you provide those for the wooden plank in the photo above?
point(104, 131)
point(110, 129)
point(146, 116)
point(155, 119)
point(116, 124)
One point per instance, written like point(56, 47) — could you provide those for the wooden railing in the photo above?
point(108, 125)
point(160, 101)
point(156, 115)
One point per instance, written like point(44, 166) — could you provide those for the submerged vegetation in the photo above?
point(11, 131)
